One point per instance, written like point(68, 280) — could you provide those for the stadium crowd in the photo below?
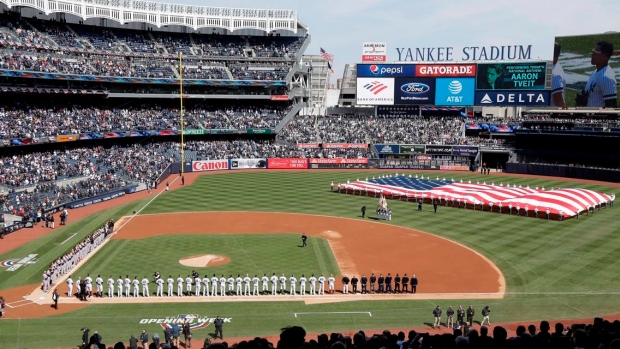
point(599, 334)
point(117, 166)
point(59, 47)
point(26, 121)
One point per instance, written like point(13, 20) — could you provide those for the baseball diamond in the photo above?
point(234, 174)
point(356, 246)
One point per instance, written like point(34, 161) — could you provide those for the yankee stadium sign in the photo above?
point(465, 54)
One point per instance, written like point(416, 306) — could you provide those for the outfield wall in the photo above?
point(420, 163)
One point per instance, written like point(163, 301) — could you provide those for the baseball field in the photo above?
point(524, 269)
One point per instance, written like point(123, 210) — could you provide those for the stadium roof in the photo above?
point(162, 14)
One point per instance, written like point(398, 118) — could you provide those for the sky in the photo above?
point(341, 26)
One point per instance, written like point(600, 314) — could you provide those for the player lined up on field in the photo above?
point(194, 285)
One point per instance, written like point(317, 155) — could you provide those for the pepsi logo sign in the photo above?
point(385, 70)
point(415, 88)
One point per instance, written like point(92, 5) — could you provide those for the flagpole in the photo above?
point(181, 112)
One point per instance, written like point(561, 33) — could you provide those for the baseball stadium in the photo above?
point(173, 176)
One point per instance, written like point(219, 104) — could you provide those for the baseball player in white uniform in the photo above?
point(170, 282)
point(332, 281)
point(302, 285)
point(127, 285)
point(274, 284)
point(136, 286)
point(110, 287)
point(180, 286)
point(160, 287)
point(601, 87)
point(89, 285)
point(145, 287)
point(197, 284)
point(558, 82)
point(188, 285)
point(99, 283)
point(239, 281)
point(265, 283)
point(231, 284)
point(246, 285)
point(119, 284)
point(214, 281)
point(293, 281)
point(283, 283)
point(255, 282)
point(321, 285)
point(70, 286)
point(312, 285)
point(223, 285)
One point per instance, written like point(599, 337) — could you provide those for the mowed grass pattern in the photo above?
point(553, 269)
point(253, 254)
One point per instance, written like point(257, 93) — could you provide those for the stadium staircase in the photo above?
point(41, 34)
point(291, 114)
point(85, 43)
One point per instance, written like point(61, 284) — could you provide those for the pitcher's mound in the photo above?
point(204, 260)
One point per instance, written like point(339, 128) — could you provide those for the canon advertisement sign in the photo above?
point(209, 165)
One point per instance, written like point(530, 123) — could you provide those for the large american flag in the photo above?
point(327, 55)
point(567, 201)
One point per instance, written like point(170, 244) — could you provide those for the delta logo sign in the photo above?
point(375, 91)
point(385, 70)
point(506, 98)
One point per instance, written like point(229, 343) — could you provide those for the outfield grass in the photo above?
point(553, 269)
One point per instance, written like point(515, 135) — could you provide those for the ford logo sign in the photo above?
point(415, 88)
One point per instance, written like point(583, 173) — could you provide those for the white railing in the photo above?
point(161, 14)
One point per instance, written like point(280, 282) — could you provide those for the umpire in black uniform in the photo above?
point(397, 284)
point(363, 211)
point(364, 282)
point(388, 283)
point(373, 281)
point(405, 284)
point(381, 283)
point(414, 284)
point(354, 282)
point(435, 203)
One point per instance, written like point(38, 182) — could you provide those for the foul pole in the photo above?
point(181, 112)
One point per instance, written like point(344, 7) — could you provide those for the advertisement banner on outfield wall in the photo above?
point(412, 148)
point(287, 163)
point(209, 165)
point(67, 138)
point(345, 145)
point(338, 161)
point(387, 148)
point(454, 168)
point(464, 150)
point(307, 145)
point(236, 164)
point(439, 149)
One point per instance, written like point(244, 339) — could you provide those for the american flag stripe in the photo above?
point(328, 56)
point(569, 201)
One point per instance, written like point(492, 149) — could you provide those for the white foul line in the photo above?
point(69, 238)
point(335, 312)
